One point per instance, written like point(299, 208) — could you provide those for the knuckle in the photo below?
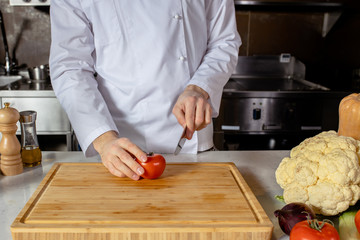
point(199, 120)
point(134, 166)
point(113, 170)
point(123, 156)
point(123, 140)
point(192, 99)
point(116, 162)
point(201, 101)
point(126, 143)
point(190, 118)
point(176, 107)
point(198, 124)
point(118, 173)
point(105, 163)
point(139, 152)
point(178, 113)
point(113, 148)
point(121, 174)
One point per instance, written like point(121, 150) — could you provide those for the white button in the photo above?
point(177, 16)
point(182, 58)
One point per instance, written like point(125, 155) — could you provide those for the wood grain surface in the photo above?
point(189, 201)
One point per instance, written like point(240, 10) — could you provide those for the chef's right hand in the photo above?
point(117, 155)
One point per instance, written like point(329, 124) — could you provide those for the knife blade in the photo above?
point(181, 142)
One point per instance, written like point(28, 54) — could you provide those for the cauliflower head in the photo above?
point(323, 172)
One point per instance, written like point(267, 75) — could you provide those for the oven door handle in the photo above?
point(272, 127)
point(311, 128)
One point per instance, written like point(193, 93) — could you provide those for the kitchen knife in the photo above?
point(181, 142)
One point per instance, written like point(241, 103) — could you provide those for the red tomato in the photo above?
point(154, 166)
point(357, 220)
point(303, 231)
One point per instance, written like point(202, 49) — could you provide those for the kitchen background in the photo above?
point(330, 60)
point(330, 51)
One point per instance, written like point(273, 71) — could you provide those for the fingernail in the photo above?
point(140, 170)
point(189, 135)
point(136, 177)
point(143, 158)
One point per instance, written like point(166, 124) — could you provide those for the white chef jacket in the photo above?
point(121, 64)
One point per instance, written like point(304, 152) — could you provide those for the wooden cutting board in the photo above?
point(189, 201)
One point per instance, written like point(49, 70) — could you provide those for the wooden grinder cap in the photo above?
point(8, 114)
point(11, 162)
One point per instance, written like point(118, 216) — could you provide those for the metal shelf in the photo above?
point(29, 2)
point(331, 10)
point(308, 6)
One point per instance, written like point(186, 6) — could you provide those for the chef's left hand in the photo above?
point(193, 110)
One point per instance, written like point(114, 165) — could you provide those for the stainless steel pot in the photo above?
point(40, 72)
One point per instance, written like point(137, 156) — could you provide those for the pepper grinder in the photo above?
point(30, 151)
point(11, 163)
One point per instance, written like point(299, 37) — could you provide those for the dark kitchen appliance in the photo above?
point(268, 104)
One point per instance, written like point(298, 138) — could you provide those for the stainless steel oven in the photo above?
point(268, 104)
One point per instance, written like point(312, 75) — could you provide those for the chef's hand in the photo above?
point(193, 110)
point(117, 155)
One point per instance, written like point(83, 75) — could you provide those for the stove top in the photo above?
point(271, 84)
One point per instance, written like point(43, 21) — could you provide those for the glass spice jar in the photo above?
point(30, 150)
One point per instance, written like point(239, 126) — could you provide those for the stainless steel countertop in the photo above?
point(28, 88)
point(257, 168)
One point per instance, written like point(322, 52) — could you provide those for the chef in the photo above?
point(131, 74)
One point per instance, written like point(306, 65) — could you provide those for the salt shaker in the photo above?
point(11, 163)
point(30, 151)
